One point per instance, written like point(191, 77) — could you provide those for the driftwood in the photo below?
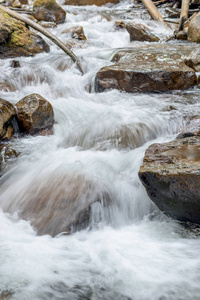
point(45, 32)
point(184, 13)
point(153, 10)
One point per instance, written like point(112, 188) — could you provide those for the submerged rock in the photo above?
point(171, 176)
point(147, 69)
point(90, 2)
point(17, 40)
point(7, 155)
point(139, 34)
point(34, 114)
point(48, 10)
point(7, 114)
point(57, 203)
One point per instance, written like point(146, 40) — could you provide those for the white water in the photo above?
point(131, 250)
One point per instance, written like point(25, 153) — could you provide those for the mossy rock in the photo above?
point(48, 10)
point(17, 40)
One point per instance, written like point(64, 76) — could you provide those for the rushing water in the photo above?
point(130, 251)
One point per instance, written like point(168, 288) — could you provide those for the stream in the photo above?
point(131, 251)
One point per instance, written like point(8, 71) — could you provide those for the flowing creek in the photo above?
point(131, 250)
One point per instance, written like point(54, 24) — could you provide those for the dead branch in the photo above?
point(45, 32)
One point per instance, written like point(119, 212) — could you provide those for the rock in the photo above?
point(17, 4)
point(151, 69)
point(34, 114)
point(76, 32)
point(139, 34)
point(182, 35)
point(15, 64)
point(17, 40)
point(6, 86)
point(7, 114)
point(47, 24)
point(72, 43)
point(194, 29)
point(57, 203)
point(193, 60)
point(90, 2)
point(48, 10)
point(171, 176)
point(7, 156)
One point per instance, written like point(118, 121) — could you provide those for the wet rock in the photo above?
point(48, 10)
point(182, 35)
point(139, 34)
point(194, 29)
point(193, 60)
point(34, 114)
point(150, 69)
point(7, 155)
point(57, 203)
point(7, 114)
point(169, 108)
point(17, 40)
point(171, 176)
point(15, 64)
point(75, 32)
point(90, 2)
point(119, 25)
point(73, 43)
point(47, 24)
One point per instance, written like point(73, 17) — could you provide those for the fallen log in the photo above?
point(184, 13)
point(153, 10)
point(45, 32)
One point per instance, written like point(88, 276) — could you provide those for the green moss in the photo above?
point(47, 3)
point(19, 35)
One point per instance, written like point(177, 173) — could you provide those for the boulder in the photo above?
point(194, 29)
point(75, 32)
point(17, 40)
point(192, 60)
point(57, 203)
point(34, 114)
point(137, 33)
point(171, 176)
point(7, 114)
point(147, 69)
point(90, 2)
point(48, 10)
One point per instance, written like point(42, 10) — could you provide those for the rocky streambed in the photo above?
point(73, 145)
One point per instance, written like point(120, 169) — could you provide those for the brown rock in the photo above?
point(48, 10)
point(34, 114)
point(56, 204)
point(47, 24)
point(7, 156)
point(182, 35)
point(154, 68)
point(139, 34)
point(17, 40)
point(7, 113)
point(76, 32)
point(193, 60)
point(90, 2)
point(194, 29)
point(171, 176)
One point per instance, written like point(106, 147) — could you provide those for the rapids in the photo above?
point(131, 250)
